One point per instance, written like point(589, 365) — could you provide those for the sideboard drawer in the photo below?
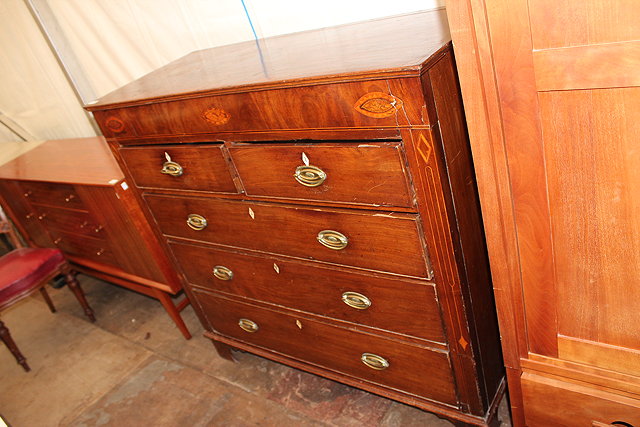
point(69, 220)
point(198, 168)
point(414, 369)
point(552, 402)
point(359, 173)
point(85, 247)
point(385, 242)
point(393, 304)
point(52, 194)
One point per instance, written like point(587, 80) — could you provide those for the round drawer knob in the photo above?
point(223, 273)
point(69, 198)
point(172, 169)
point(248, 325)
point(196, 222)
point(310, 176)
point(356, 300)
point(374, 361)
point(333, 239)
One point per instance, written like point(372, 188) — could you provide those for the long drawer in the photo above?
point(199, 168)
point(401, 366)
point(361, 173)
point(385, 242)
point(386, 303)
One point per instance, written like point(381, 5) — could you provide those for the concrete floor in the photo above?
point(133, 368)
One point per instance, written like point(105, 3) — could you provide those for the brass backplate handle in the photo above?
point(223, 273)
point(248, 325)
point(171, 168)
point(310, 176)
point(374, 361)
point(333, 239)
point(196, 222)
point(356, 300)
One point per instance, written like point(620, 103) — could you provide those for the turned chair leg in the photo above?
point(74, 285)
point(6, 338)
point(47, 299)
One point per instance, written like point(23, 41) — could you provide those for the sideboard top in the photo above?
point(393, 45)
point(75, 161)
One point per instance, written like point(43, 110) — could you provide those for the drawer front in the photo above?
point(551, 402)
point(23, 214)
point(394, 305)
point(371, 104)
point(373, 241)
point(198, 168)
point(366, 173)
point(69, 221)
point(410, 368)
point(52, 194)
point(85, 247)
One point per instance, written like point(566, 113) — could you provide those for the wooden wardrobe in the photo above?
point(553, 106)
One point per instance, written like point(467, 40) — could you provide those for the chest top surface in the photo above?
point(73, 161)
point(393, 45)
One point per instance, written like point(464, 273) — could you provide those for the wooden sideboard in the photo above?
point(71, 194)
point(551, 90)
point(317, 194)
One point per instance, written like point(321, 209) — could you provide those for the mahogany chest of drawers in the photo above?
point(319, 202)
point(71, 194)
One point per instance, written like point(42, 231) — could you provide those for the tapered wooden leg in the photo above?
point(224, 350)
point(172, 310)
point(47, 299)
point(74, 285)
point(6, 338)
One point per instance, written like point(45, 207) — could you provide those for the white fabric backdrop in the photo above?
point(107, 43)
point(33, 90)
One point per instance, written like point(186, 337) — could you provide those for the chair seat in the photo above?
point(23, 270)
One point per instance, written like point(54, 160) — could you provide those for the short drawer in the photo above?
point(358, 173)
point(410, 368)
point(84, 247)
point(371, 240)
point(52, 194)
point(69, 221)
point(552, 402)
point(386, 303)
point(198, 168)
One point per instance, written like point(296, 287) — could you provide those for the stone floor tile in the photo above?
point(73, 363)
point(175, 395)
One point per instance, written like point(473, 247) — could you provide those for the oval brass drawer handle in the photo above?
point(310, 176)
point(196, 222)
point(374, 361)
point(171, 168)
point(223, 273)
point(248, 325)
point(333, 239)
point(356, 300)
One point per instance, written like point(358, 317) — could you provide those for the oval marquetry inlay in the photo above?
point(115, 124)
point(378, 105)
point(216, 116)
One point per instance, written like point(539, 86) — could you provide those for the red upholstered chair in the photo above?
point(24, 271)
